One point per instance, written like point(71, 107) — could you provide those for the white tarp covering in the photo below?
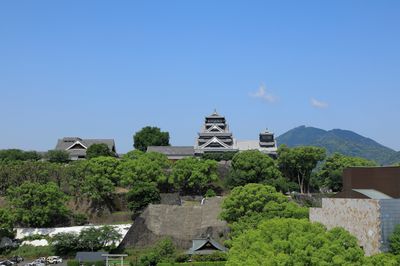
point(25, 232)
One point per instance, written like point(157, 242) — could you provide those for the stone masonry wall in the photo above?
point(361, 217)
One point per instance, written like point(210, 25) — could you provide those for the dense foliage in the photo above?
point(57, 156)
point(163, 251)
point(194, 175)
point(150, 136)
point(330, 175)
point(255, 199)
point(19, 155)
point(394, 241)
point(219, 156)
point(98, 150)
point(89, 239)
point(142, 194)
point(6, 223)
point(38, 205)
point(294, 242)
point(252, 167)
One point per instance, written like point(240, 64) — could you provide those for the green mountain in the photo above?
point(343, 141)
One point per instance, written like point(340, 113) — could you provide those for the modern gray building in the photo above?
point(368, 207)
point(76, 147)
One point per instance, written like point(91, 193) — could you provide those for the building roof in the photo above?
point(385, 180)
point(372, 193)
point(172, 150)
point(244, 145)
point(205, 246)
point(67, 142)
point(90, 256)
point(215, 115)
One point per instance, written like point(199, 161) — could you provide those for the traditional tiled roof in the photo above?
point(205, 246)
point(65, 143)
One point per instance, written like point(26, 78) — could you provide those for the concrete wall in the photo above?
point(361, 217)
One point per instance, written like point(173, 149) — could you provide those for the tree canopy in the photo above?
point(98, 150)
point(330, 175)
point(394, 241)
point(194, 175)
point(57, 156)
point(294, 242)
point(91, 238)
point(258, 199)
point(19, 155)
point(252, 167)
point(150, 136)
point(38, 205)
point(6, 223)
point(142, 194)
point(298, 163)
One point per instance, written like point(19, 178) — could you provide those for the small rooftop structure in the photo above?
point(90, 256)
point(76, 147)
point(205, 246)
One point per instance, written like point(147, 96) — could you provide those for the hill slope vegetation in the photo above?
point(342, 141)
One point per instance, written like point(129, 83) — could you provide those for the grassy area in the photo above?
point(31, 252)
point(200, 263)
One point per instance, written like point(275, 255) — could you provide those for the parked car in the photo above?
point(16, 259)
point(7, 263)
point(41, 260)
point(54, 260)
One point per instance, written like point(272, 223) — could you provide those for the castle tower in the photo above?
point(215, 135)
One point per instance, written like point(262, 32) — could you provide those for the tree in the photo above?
point(298, 163)
point(252, 167)
point(91, 238)
point(259, 199)
point(6, 223)
point(142, 194)
point(100, 178)
point(330, 175)
point(294, 242)
point(386, 259)
point(38, 205)
point(98, 150)
point(194, 175)
point(394, 241)
point(150, 136)
point(94, 239)
point(146, 167)
point(58, 156)
point(19, 155)
point(14, 173)
point(65, 243)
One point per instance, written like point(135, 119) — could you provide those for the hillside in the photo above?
point(342, 141)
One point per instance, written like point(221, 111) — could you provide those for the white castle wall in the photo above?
point(25, 232)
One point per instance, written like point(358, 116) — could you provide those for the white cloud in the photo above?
point(318, 104)
point(263, 94)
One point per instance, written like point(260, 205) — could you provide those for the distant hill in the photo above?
point(343, 141)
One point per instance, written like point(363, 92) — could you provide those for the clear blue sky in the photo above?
point(104, 69)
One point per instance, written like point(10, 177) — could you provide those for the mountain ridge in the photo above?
point(342, 141)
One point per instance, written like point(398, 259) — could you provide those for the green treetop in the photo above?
point(150, 136)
